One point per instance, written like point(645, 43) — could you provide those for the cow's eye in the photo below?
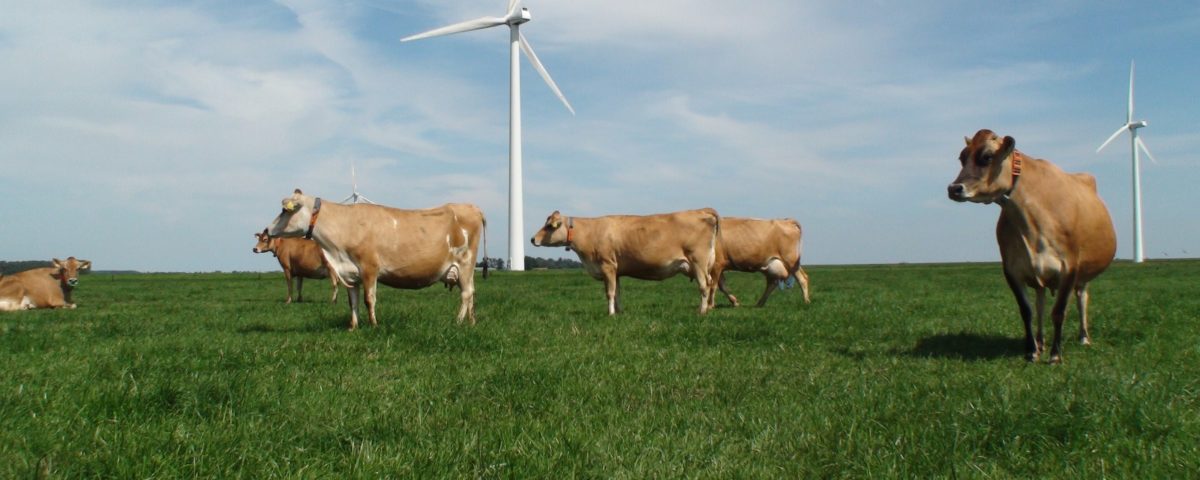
point(983, 160)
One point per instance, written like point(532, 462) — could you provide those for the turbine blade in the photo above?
point(537, 64)
point(512, 6)
point(1145, 150)
point(476, 24)
point(1113, 137)
point(1129, 112)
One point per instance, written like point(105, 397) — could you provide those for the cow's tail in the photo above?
point(713, 244)
point(485, 254)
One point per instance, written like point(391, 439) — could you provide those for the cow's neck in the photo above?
point(1023, 207)
point(325, 230)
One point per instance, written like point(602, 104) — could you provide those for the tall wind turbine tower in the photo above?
point(1134, 144)
point(516, 203)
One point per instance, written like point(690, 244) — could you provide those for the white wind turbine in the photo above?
point(513, 18)
point(355, 197)
point(1134, 144)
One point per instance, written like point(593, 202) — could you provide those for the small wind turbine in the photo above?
point(355, 197)
point(516, 204)
point(1134, 144)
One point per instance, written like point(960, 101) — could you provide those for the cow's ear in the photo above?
point(85, 264)
point(298, 192)
point(1007, 146)
point(57, 262)
point(967, 140)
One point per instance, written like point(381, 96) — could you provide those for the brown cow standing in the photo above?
point(299, 258)
point(1054, 230)
point(754, 245)
point(366, 244)
point(48, 287)
point(650, 247)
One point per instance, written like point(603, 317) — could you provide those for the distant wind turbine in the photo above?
point(516, 204)
point(355, 197)
point(1134, 144)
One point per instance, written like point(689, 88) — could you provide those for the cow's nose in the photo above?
point(955, 191)
point(533, 241)
point(72, 281)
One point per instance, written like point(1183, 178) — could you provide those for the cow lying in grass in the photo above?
point(47, 287)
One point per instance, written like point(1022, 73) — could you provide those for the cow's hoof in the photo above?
point(1056, 360)
point(1085, 341)
point(1031, 357)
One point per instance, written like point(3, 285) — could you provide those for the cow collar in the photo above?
point(570, 231)
point(312, 221)
point(1015, 164)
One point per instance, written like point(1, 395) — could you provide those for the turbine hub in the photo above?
point(1138, 124)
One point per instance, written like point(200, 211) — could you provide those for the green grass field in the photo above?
point(892, 371)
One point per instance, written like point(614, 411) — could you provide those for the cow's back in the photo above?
point(644, 244)
point(40, 286)
point(748, 242)
point(408, 248)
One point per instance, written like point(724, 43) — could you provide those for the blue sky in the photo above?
point(159, 136)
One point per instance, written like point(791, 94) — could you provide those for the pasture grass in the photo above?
point(892, 371)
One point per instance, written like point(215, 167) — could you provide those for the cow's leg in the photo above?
point(1081, 304)
point(1040, 307)
point(772, 284)
point(1058, 313)
point(299, 288)
point(1018, 290)
point(802, 277)
point(720, 284)
point(352, 295)
point(610, 287)
point(704, 282)
point(466, 285)
point(775, 273)
point(369, 287)
point(287, 278)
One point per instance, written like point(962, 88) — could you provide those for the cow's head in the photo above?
point(293, 220)
point(986, 173)
point(265, 243)
point(67, 272)
point(553, 233)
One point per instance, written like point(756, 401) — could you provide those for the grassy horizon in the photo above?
point(892, 371)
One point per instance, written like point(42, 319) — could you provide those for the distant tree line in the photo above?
point(7, 267)
point(532, 263)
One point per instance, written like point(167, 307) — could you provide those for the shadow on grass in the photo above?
point(968, 346)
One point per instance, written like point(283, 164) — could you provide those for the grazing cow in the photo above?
point(754, 245)
point(299, 258)
point(366, 244)
point(650, 247)
point(1054, 230)
point(47, 287)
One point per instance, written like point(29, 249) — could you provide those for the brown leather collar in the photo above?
point(1015, 165)
point(312, 221)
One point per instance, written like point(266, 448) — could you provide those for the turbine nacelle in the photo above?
point(1138, 124)
point(518, 17)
